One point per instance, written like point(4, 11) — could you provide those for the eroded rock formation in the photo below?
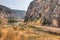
point(46, 10)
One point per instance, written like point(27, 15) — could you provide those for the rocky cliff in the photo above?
point(46, 11)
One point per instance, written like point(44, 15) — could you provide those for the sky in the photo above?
point(16, 4)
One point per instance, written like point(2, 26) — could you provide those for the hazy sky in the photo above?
point(16, 4)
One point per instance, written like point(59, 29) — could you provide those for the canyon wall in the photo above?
point(47, 11)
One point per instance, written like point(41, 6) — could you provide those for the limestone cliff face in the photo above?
point(46, 10)
point(6, 14)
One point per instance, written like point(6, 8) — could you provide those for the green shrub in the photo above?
point(12, 21)
point(0, 21)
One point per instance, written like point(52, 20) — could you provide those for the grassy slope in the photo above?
point(24, 32)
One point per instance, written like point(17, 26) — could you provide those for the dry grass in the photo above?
point(37, 22)
point(23, 32)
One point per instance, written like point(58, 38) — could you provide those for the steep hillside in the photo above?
point(46, 11)
point(6, 14)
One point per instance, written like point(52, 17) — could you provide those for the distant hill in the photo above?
point(20, 13)
point(6, 13)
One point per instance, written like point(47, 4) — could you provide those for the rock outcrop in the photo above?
point(47, 11)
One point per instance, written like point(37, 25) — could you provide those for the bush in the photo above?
point(12, 21)
point(0, 34)
point(0, 21)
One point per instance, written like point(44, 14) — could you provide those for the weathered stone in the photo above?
point(47, 10)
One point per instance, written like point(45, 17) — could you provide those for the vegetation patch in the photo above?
point(0, 21)
point(0, 34)
point(12, 21)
